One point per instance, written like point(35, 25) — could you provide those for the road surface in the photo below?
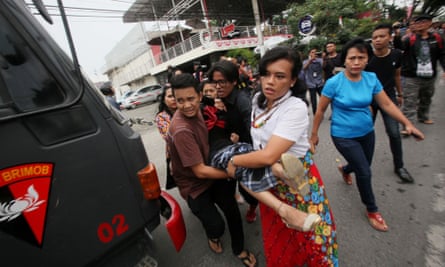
point(415, 213)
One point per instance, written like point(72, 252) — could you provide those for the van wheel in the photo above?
point(133, 106)
point(159, 98)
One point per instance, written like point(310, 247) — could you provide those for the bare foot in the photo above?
point(215, 245)
point(247, 258)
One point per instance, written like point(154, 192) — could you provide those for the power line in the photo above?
point(80, 12)
point(52, 7)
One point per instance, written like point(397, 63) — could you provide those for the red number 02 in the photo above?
point(106, 231)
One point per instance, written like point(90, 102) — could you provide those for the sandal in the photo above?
point(377, 222)
point(346, 176)
point(215, 245)
point(294, 174)
point(248, 260)
point(311, 221)
point(309, 224)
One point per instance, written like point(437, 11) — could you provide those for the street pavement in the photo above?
point(415, 213)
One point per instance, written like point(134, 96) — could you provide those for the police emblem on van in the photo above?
point(24, 191)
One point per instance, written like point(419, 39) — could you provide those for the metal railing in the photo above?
point(196, 40)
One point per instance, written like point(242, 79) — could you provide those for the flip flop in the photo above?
point(247, 260)
point(376, 221)
point(215, 245)
point(294, 174)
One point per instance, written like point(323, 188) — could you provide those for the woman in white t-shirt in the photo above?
point(280, 124)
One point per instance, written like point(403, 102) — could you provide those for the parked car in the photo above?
point(141, 96)
point(234, 34)
point(121, 99)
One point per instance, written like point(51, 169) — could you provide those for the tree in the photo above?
point(358, 17)
point(245, 53)
point(434, 8)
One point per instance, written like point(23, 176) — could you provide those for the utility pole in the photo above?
point(259, 33)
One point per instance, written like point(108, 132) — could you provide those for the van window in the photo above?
point(25, 83)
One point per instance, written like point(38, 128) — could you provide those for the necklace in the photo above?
point(256, 124)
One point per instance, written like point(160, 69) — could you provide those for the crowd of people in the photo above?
point(221, 137)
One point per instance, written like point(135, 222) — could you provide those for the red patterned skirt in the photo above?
point(288, 247)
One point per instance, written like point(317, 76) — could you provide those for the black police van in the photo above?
point(76, 185)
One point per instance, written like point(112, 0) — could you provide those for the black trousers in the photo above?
point(221, 193)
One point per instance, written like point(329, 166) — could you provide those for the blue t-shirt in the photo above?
point(350, 101)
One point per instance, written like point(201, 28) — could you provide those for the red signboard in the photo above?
point(227, 29)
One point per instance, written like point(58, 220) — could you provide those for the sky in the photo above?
point(96, 27)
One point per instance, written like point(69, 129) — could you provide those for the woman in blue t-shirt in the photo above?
point(350, 93)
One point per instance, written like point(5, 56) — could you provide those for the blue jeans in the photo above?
point(358, 152)
point(392, 130)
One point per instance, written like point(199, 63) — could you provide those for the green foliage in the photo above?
point(246, 53)
point(326, 14)
point(433, 7)
point(318, 43)
point(344, 35)
point(396, 13)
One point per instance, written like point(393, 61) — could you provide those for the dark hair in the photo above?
point(162, 105)
point(383, 26)
point(107, 89)
point(182, 81)
point(330, 42)
point(277, 53)
point(360, 44)
point(228, 70)
point(203, 83)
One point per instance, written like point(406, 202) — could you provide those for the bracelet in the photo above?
point(231, 162)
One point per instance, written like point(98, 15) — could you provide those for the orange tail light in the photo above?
point(148, 178)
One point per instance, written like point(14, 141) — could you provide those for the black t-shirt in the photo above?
point(385, 68)
point(239, 107)
point(215, 120)
point(329, 65)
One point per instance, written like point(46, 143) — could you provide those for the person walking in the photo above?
point(331, 61)
point(422, 51)
point(313, 75)
point(108, 91)
point(280, 123)
point(350, 93)
point(386, 64)
point(225, 75)
point(189, 151)
point(167, 108)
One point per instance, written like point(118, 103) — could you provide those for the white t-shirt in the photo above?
point(290, 121)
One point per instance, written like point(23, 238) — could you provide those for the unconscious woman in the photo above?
point(280, 125)
point(350, 94)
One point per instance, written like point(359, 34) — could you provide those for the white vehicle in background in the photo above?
point(121, 99)
point(147, 94)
